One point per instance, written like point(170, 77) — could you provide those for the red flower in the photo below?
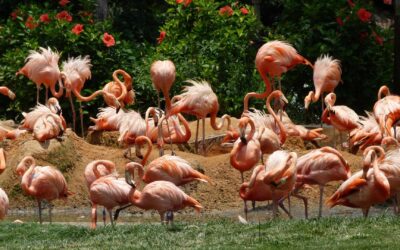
point(64, 15)
point(226, 10)
point(14, 15)
point(44, 18)
point(364, 15)
point(339, 21)
point(77, 29)
point(186, 2)
point(108, 40)
point(63, 2)
point(161, 37)
point(378, 39)
point(351, 4)
point(244, 11)
point(388, 2)
point(30, 23)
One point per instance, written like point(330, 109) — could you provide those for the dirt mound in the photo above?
point(72, 154)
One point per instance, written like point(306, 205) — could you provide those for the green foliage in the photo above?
point(313, 28)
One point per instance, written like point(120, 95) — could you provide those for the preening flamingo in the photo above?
point(162, 196)
point(7, 92)
point(42, 68)
point(327, 75)
point(4, 204)
point(198, 100)
point(77, 70)
point(319, 167)
point(163, 76)
point(43, 183)
point(365, 188)
point(107, 119)
point(369, 133)
point(387, 110)
point(272, 60)
point(280, 176)
point(123, 91)
point(107, 191)
point(342, 118)
point(257, 190)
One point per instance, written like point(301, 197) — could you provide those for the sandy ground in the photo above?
point(73, 154)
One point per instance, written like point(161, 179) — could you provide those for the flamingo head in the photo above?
point(25, 163)
point(54, 106)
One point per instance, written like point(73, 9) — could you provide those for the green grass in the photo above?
point(328, 233)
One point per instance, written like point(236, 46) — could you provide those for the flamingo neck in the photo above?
point(86, 98)
point(282, 133)
point(121, 86)
point(252, 130)
point(219, 126)
point(383, 91)
point(60, 92)
point(184, 136)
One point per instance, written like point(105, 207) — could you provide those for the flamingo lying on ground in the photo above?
point(319, 167)
point(77, 71)
point(162, 196)
point(48, 127)
point(327, 75)
point(342, 118)
point(43, 183)
point(42, 68)
point(365, 188)
point(272, 60)
point(198, 100)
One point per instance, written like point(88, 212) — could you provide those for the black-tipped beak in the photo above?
point(243, 139)
point(117, 109)
point(59, 111)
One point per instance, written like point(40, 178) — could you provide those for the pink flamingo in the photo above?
point(386, 110)
point(319, 167)
point(198, 100)
point(2, 160)
point(4, 204)
point(369, 133)
point(162, 196)
point(327, 75)
point(272, 60)
point(341, 117)
point(123, 91)
point(42, 68)
point(107, 191)
point(7, 92)
point(163, 77)
point(48, 127)
point(280, 176)
point(43, 183)
point(365, 188)
point(77, 70)
point(107, 119)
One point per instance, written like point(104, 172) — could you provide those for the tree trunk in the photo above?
point(101, 9)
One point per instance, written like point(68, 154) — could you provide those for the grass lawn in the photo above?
point(327, 233)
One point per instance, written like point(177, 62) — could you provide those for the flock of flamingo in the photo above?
point(282, 175)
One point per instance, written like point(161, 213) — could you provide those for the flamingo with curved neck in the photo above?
point(273, 95)
point(383, 91)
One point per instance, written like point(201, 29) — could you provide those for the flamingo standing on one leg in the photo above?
point(341, 117)
point(43, 183)
point(42, 68)
point(162, 196)
point(272, 60)
point(77, 70)
point(198, 100)
point(280, 176)
point(365, 188)
point(327, 75)
point(319, 167)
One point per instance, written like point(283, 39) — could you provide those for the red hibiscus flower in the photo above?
point(226, 10)
point(339, 21)
point(185, 2)
point(77, 29)
point(63, 2)
point(44, 18)
point(350, 3)
point(64, 15)
point(244, 11)
point(30, 23)
point(14, 15)
point(388, 2)
point(108, 40)
point(364, 15)
point(161, 37)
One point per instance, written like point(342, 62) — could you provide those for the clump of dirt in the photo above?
point(105, 138)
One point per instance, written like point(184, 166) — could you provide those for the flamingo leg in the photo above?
point(116, 214)
point(111, 218)
point(104, 216)
point(196, 143)
point(275, 208)
point(253, 204)
point(365, 212)
point(94, 216)
point(289, 204)
point(73, 112)
point(47, 94)
point(204, 137)
point(321, 194)
point(305, 201)
point(170, 217)
point(162, 217)
point(285, 210)
point(40, 211)
point(170, 139)
point(37, 94)
point(323, 106)
point(50, 210)
point(244, 201)
point(81, 118)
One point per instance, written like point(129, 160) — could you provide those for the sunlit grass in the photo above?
point(327, 233)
